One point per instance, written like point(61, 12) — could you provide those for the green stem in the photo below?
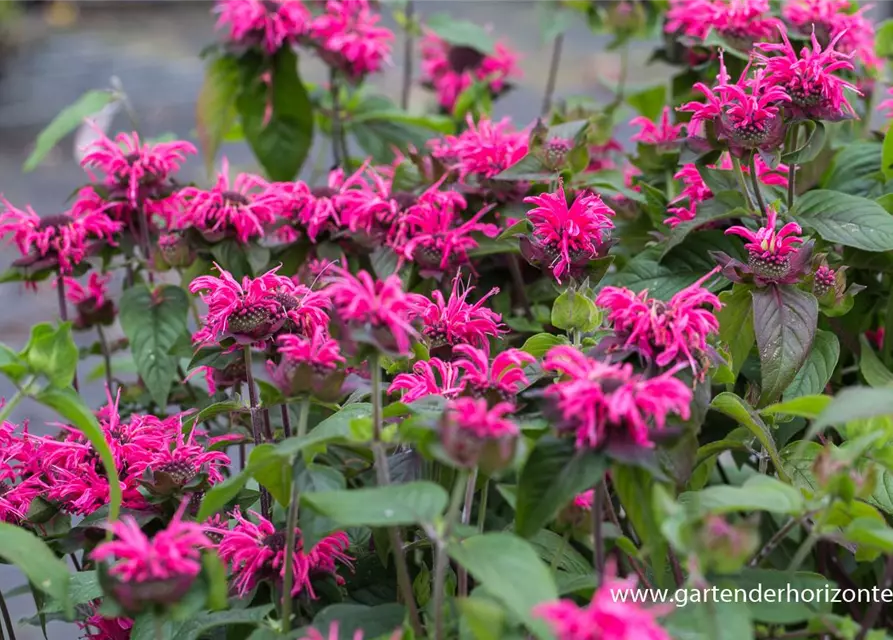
point(742, 183)
point(303, 417)
point(792, 169)
point(256, 423)
point(63, 315)
point(671, 185)
point(7, 618)
point(758, 194)
point(807, 545)
point(291, 524)
point(482, 507)
point(408, 51)
point(383, 475)
point(466, 519)
point(559, 553)
point(106, 357)
point(13, 402)
point(553, 73)
point(440, 563)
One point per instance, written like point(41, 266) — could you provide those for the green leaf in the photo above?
point(649, 102)
point(39, 564)
point(802, 406)
point(549, 545)
point(508, 569)
point(849, 220)
point(216, 409)
point(871, 533)
point(401, 504)
point(724, 205)
point(68, 404)
point(785, 320)
point(334, 428)
point(818, 368)
point(539, 345)
point(734, 407)
point(811, 149)
point(710, 621)
point(574, 311)
point(553, 474)
point(736, 324)
point(55, 355)
point(853, 403)
point(215, 110)
point(197, 625)
point(153, 321)
point(69, 119)
point(221, 494)
point(758, 493)
point(856, 170)
point(782, 612)
point(282, 143)
point(483, 618)
point(374, 622)
point(871, 367)
point(271, 471)
point(461, 33)
point(883, 42)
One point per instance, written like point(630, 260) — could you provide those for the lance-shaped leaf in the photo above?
point(784, 320)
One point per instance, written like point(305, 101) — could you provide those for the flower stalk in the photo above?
point(466, 519)
point(440, 565)
point(63, 314)
point(291, 525)
point(256, 422)
point(758, 194)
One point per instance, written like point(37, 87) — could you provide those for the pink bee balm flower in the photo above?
point(745, 114)
point(252, 311)
point(256, 552)
point(423, 381)
point(60, 241)
point(183, 458)
point(314, 209)
point(809, 78)
point(140, 566)
point(502, 379)
point(94, 293)
point(831, 19)
point(378, 305)
point(451, 69)
point(770, 250)
point(308, 365)
point(599, 401)
point(438, 240)
point(483, 150)
point(657, 133)
point(743, 22)
point(606, 617)
point(134, 170)
point(455, 321)
point(97, 627)
point(267, 23)
point(474, 434)
point(824, 280)
point(585, 500)
point(695, 190)
point(568, 237)
point(603, 157)
point(348, 37)
point(227, 209)
point(665, 333)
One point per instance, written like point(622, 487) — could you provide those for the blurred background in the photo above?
point(52, 52)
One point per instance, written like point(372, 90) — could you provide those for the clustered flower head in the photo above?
point(741, 22)
point(770, 250)
point(253, 310)
point(92, 302)
point(228, 209)
point(266, 23)
point(660, 133)
point(308, 365)
point(605, 618)
point(833, 19)
point(380, 310)
point(565, 238)
point(451, 69)
point(695, 190)
point(483, 150)
point(60, 241)
point(664, 333)
point(809, 79)
point(67, 470)
point(255, 550)
point(600, 402)
point(159, 570)
point(746, 114)
point(474, 433)
point(137, 175)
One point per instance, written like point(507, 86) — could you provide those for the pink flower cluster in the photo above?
point(564, 237)
point(605, 618)
point(346, 34)
point(660, 133)
point(451, 69)
point(696, 191)
point(256, 552)
point(600, 402)
point(743, 22)
point(68, 472)
point(834, 20)
point(664, 333)
point(770, 250)
point(483, 150)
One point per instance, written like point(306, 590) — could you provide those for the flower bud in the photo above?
point(475, 436)
point(724, 547)
point(175, 250)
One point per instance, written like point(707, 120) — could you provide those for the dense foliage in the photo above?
point(479, 379)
